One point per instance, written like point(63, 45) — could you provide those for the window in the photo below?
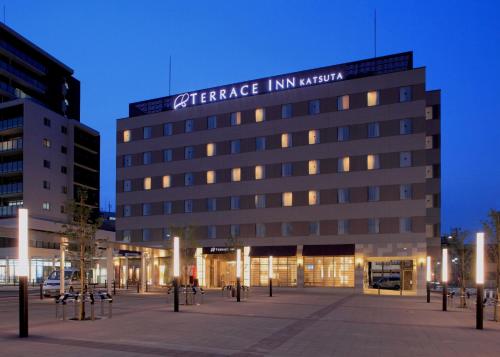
point(236, 174)
point(146, 158)
point(166, 181)
point(373, 193)
point(168, 129)
point(405, 159)
point(127, 136)
point(167, 207)
point(166, 232)
point(343, 195)
point(405, 225)
point(429, 113)
point(188, 125)
point(211, 232)
point(235, 202)
point(286, 169)
point(46, 185)
point(64, 170)
point(405, 126)
point(211, 204)
point(235, 146)
point(46, 122)
point(211, 149)
point(127, 236)
point(405, 94)
point(260, 230)
point(313, 167)
point(46, 143)
point(146, 235)
point(235, 118)
point(188, 152)
point(147, 183)
point(167, 155)
point(286, 111)
point(313, 198)
point(188, 206)
point(314, 228)
point(313, 137)
point(343, 164)
point(147, 132)
point(286, 140)
point(286, 229)
point(373, 225)
point(62, 209)
point(211, 177)
point(64, 129)
point(64, 189)
point(64, 149)
point(127, 186)
point(372, 98)
point(235, 230)
point(188, 179)
point(260, 115)
point(46, 206)
point(405, 192)
point(373, 130)
point(260, 172)
point(260, 201)
point(373, 162)
point(287, 199)
point(343, 226)
point(212, 122)
point(146, 209)
point(314, 106)
point(343, 133)
point(343, 102)
point(46, 164)
point(260, 143)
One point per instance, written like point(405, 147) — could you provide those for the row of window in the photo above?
point(313, 168)
point(47, 122)
point(343, 103)
point(46, 185)
point(47, 143)
point(47, 165)
point(313, 199)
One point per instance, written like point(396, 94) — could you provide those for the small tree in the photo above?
point(492, 230)
point(463, 255)
point(80, 230)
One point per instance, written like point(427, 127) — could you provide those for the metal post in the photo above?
point(176, 294)
point(114, 287)
point(238, 290)
point(138, 286)
point(428, 291)
point(23, 306)
point(445, 296)
point(41, 291)
point(479, 307)
point(270, 287)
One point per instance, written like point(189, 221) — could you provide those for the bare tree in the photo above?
point(80, 230)
point(492, 230)
point(463, 255)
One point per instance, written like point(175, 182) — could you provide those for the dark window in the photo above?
point(46, 122)
point(64, 170)
point(64, 129)
point(46, 185)
point(46, 164)
point(64, 149)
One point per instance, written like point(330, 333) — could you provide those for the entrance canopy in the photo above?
point(275, 251)
point(328, 250)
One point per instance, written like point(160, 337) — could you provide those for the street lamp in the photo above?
point(238, 275)
point(176, 274)
point(479, 279)
point(23, 271)
point(270, 275)
point(444, 277)
point(428, 278)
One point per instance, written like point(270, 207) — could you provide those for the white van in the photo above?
point(51, 285)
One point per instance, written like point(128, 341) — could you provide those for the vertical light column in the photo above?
point(479, 279)
point(62, 264)
point(270, 274)
point(110, 268)
point(428, 277)
point(444, 277)
point(246, 266)
point(144, 275)
point(176, 272)
point(22, 271)
point(200, 266)
point(238, 275)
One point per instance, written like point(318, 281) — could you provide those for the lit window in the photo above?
point(167, 129)
point(212, 122)
point(167, 155)
point(313, 137)
point(188, 206)
point(235, 147)
point(147, 132)
point(405, 159)
point(260, 143)
point(211, 151)
point(235, 202)
point(405, 225)
point(210, 177)
point(260, 201)
point(313, 198)
point(343, 195)
point(146, 209)
point(343, 133)
point(236, 118)
point(372, 162)
point(46, 206)
point(343, 226)
point(373, 225)
point(211, 232)
point(211, 204)
point(372, 98)
point(286, 229)
point(286, 111)
point(260, 115)
point(127, 186)
point(188, 152)
point(236, 174)
point(314, 106)
point(260, 172)
point(166, 182)
point(405, 192)
point(405, 126)
point(343, 102)
point(46, 143)
point(260, 230)
point(147, 158)
point(313, 167)
point(405, 94)
point(147, 183)
point(188, 179)
point(127, 235)
point(373, 193)
point(188, 125)
point(286, 140)
point(126, 136)
point(344, 164)
point(429, 113)
point(286, 169)
point(287, 199)
point(373, 130)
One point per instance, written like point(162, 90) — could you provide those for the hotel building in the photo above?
point(334, 172)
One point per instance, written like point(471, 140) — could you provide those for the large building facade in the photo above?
point(334, 172)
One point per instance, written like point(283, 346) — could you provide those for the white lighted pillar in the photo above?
point(428, 276)
point(176, 273)
point(22, 271)
point(110, 268)
point(62, 263)
point(238, 275)
point(144, 275)
point(270, 274)
point(444, 277)
point(479, 279)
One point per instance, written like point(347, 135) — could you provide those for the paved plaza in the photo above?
point(311, 322)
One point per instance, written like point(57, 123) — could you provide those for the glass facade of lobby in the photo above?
point(329, 271)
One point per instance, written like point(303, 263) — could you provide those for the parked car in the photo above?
point(389, 282)
point(51, 285)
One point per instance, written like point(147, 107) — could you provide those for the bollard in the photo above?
point(114, 287)
point(92, 313)
point(138, 285)
point(41, 291)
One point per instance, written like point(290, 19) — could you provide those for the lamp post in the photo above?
point(238, 275)
point(271, 276)
point(428, 278)
point(176, 274)
point(23, 271)
point(479, 279)
point(444, 278)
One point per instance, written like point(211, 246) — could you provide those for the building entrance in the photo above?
point(220, 269)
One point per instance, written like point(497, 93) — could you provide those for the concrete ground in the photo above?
point(314, 322)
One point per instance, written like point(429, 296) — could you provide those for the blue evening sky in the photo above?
point(120, 51)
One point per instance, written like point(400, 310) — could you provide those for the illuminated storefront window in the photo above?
point(329, 271)
point(284, 271)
